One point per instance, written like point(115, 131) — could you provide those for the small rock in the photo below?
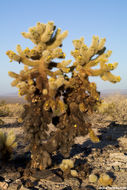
point(3, 185)
point(8, 180)
point(44, 174)
point(23, 188)
point(12, 175)
point(120, 148)
point(55, 178)
point(48, 175)
point(108, 168)
point(13, 186)
point(18, 181)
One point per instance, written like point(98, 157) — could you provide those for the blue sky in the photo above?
point(105, 18)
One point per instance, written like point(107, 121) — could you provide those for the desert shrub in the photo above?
point(115, 107)
point(1, 122)
point(11, 110)
point(15, 110)
point(4, 111)
point(58, 92)
point(2, 102)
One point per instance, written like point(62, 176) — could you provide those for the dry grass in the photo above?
point(15, 110)
point(115, 107)
point(4, 111)
point(11, 110)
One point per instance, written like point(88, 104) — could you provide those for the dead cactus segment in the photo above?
point(105, 180)
point(66, 164)
point(53, 95)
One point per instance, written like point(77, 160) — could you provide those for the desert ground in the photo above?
point(109, 156)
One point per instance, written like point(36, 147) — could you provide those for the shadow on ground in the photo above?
point(11, 125)
point(108, 136)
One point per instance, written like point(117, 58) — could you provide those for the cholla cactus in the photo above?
point(53, 96)
point(7, 145)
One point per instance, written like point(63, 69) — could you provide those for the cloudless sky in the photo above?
point(82, 18)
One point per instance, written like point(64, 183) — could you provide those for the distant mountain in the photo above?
point(11, 93)
point(114, 91)
point(106, 91)
point(14, 98)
